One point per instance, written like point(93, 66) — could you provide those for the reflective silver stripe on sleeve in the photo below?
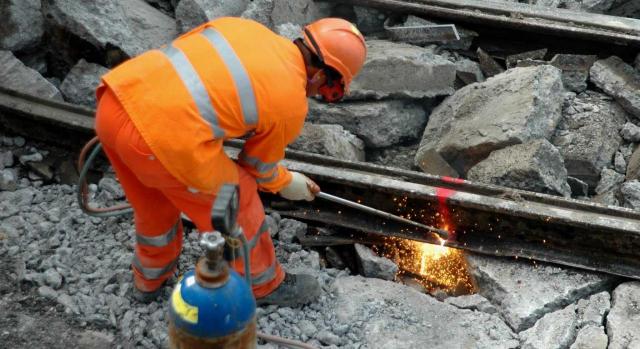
point(196, 88)
point(239, 74)
point(256, 163)
point(265, 276)
point(160, 240)
point(153, 273)
point(268, 179)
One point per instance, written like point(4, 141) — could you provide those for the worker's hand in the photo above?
point(301, 187)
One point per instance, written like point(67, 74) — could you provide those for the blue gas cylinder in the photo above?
point(212, 306)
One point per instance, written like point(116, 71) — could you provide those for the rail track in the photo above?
point(482, 218)
point(520, 17)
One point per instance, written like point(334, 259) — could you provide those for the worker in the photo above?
point(162, 118)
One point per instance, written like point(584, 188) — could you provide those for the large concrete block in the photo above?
point(22, 24)
point(79, 86)
point(14, 75)
point(332, 140)
point(132, 26)
point(402, 70)
point(535, 166)
point(511, 108)
point(524, 292)
point(623, 320)
point(379, 124)
point(192, 13)
point(588, 135)
point(398, 316)
point(619, 80)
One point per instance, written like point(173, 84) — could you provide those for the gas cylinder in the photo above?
point(212, 306)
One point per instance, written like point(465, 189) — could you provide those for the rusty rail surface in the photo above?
point(518, 16)
point(482, 218)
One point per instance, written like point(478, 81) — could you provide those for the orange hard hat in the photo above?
point(338, 44)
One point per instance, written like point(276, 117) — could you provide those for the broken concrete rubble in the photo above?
point(369, 20)
point(259, 11)
point(513, 60)
point(472, 302)
point(592, 310)
point(619, 163)
point(289, 30)
point(591, 337)
point(623, 320)
point(553, 330)
point(524, 292)
point(575, 70)
point(400, 156)
point(332, 140)
point(535, 165)
point(80, 84)
point(630, 192)
point(619, 80)
point(416, 72)
point(131, 26)
point(22, 24)
point(378, 124)
point(520, 105)
point(192, 13)
point(489, 65)
point(14, 75)
point(610, 180)
point(626, 8)
point(275, 12)
point(468, 72)
point(428, 320)
point(578, 188)
point(633, 166)
point(630, 132)
point(587, 135)
point(374, 266)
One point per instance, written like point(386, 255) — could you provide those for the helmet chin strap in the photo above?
point(332, 91)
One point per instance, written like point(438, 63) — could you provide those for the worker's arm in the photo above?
point(264, 150)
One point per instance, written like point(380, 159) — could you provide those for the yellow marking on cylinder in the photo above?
point(186, 311)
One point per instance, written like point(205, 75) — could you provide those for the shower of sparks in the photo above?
point(436, 267)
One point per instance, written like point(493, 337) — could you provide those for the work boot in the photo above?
point(295, 289)
point(145, 297)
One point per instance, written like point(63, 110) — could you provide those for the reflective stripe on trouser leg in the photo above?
point(154, 273)
point(160, 240)
point(156, 257)
point(265, 276)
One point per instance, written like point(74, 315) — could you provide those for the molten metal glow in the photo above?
point(436, 267)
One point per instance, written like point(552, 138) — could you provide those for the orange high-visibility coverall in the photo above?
point(162, 118)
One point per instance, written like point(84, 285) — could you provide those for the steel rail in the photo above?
point(482, 218)
point(517, 16)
